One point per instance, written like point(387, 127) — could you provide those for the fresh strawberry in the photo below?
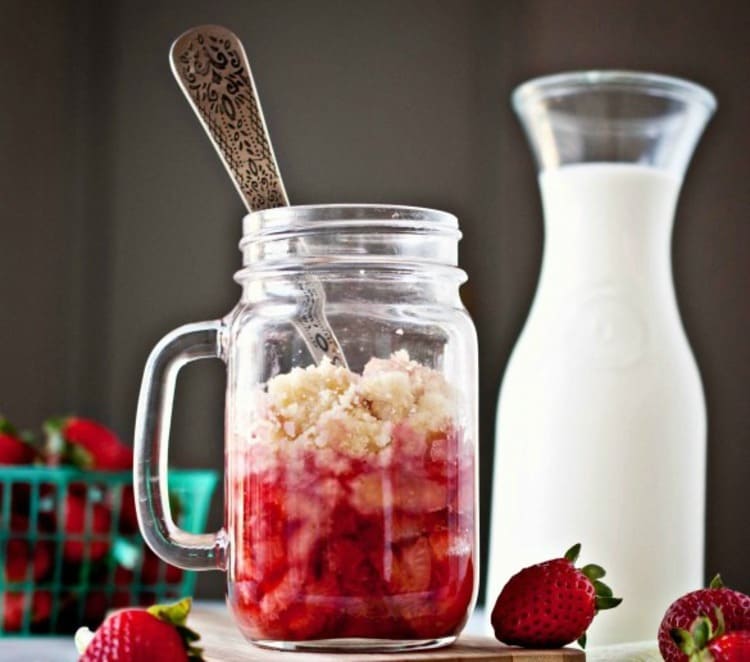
point(683, 612)
point(86, 444)
point(136, 635)
point(19, 556)
point(123, 576)
point(551, 604)
point(730, 647)
point(128, 520)
point(16, 605)
point(703, 643)
point(151, 570)
point(14, 449)
point(75, 527)
point(95, 605)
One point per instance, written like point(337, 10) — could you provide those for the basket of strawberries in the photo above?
point(70, 549)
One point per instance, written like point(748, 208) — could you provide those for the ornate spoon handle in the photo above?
point(212, 69)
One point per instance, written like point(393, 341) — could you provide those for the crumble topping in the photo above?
point(331, 407)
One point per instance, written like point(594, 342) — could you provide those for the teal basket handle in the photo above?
point(191, 551)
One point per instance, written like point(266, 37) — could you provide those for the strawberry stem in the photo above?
point(176, 614)
point(606, 602)
point(6, 427)
point(602, 590)
point(572, 554)
point(702, 633)
point(716, 582)
point(593, 571)
point(694, 643)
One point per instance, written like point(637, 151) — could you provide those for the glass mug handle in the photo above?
point(204, 551)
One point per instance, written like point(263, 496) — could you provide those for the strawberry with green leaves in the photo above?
point(136, 635)
point(703, 643)
point(85, 444)
point(683, 612)
point(551, 604)
point(15, 447)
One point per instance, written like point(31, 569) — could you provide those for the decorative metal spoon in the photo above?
point(212, 69)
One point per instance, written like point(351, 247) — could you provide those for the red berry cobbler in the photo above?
point(352, 506)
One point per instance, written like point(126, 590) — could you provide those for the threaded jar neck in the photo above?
point(339, 238)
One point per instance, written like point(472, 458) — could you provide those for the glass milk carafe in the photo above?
point(350, 490)
point(601, 421)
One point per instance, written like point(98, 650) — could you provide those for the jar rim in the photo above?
point(311, 218)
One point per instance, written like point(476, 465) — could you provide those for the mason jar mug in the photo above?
point(350, 432)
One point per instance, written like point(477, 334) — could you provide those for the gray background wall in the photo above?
point(118, 223)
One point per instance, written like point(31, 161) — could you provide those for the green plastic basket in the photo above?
point(70, 549)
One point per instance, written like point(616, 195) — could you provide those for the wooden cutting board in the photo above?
point(222, 642)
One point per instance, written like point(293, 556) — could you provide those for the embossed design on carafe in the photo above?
point(604, 328)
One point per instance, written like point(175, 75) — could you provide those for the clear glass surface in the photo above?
point(613, 116)
point(351, 497)
point(351, 515)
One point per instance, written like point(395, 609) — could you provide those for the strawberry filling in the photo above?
point(351, 501)
point(380, 551)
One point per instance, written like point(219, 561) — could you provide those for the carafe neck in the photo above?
point(607, 222)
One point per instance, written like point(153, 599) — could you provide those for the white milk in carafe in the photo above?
point(601, 427)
